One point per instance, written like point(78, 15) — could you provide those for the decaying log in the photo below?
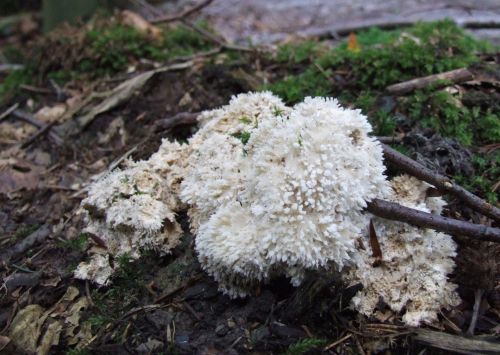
point(457, 343)
point(441, 182)
point(454, 76)
point(396, 212)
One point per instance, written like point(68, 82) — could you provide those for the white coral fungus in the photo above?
point(413, 275)
point(133, 209)
point(281, 191)
point(273, 190)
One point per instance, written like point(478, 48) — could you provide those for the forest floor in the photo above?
point(77, 109)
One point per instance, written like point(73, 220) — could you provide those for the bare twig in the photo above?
point(20, 248)
point(457, 343)
point(389, 140)
point(454, 76)
point(10, 67)
point(7, 112)
point(478, 296)
point(187, 12)
point(396, 212)
point(38, 134)
point(180, 119)
point(441, 182)
point(339, 341)
point(28, 118)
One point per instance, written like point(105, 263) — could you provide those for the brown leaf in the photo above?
point(374, 244)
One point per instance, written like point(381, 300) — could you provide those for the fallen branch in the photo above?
point(28, 118)
point(442, 183)
point(390, 23)
point(389, 140)
point(457, 343)
point(187, 12)
point(454, 76)
point(395, 212)
point(7, 112)
point(180, 119)
point(45, 129)
point(20, 248)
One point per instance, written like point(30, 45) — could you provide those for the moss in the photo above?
point(359, 78)
point(304, 346)
point(485, 183)
point(11, 84)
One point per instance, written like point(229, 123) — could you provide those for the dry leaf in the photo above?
point(51, 114)
point(377, 252)
point(352, 43)
point(50, 338)
point(24, 330)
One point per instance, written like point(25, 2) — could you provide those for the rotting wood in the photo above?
point(457, 343)
point(395, 212)
point(441, 182)
point(453, 76)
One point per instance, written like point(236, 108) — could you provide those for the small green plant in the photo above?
point(243, 136)
point(305, 345)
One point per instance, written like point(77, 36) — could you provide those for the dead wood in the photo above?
point(183, 14)
point(389, 23)
point(395, 212)
point(22, 246)
point(454, 76)
point(441, 182)
point(457, 343)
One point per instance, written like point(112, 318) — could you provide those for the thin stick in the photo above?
point(183, 14)
point(28, 118)
point(334, 344)
point(396, 212)
point(7, 112)
point(40, 132)
point(454, 76)
point(478, 296)
point(441, 182)
point(25, 244)
point(180, 119)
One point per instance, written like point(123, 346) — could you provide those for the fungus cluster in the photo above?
point(287, 198)
point(131, 210)
point(272, 190)
point(412, 277)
